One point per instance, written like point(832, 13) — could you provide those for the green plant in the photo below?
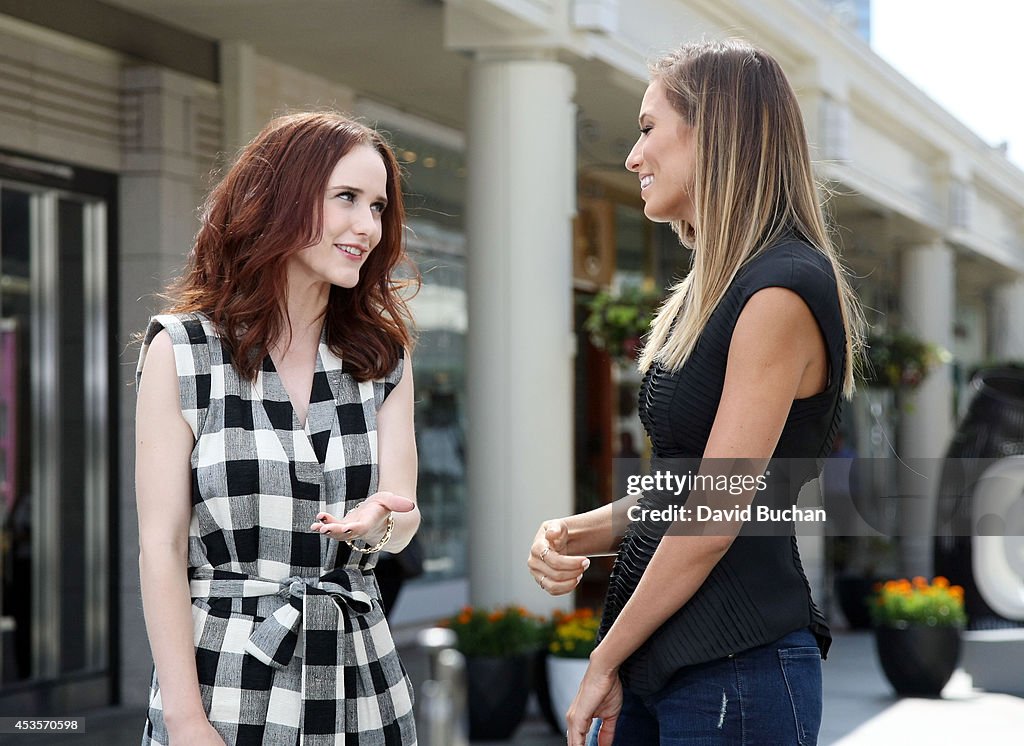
point(901, 360)
point(617, 320)
point(504, 631)
point(901, 602)
point(574, 635)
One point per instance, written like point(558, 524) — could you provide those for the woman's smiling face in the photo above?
point(664, 158)
point(355, 199)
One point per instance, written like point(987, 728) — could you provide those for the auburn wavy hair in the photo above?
point(268, 207)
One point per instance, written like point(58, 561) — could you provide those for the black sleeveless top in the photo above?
point(757, 593)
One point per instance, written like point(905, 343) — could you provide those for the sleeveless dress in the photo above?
point(291, 642)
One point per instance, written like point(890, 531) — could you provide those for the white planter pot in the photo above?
point(564, 677)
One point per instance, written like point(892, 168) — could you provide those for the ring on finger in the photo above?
point(542, 579)
point(545, 553)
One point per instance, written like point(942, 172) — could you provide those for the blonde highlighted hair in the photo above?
point(752, 183)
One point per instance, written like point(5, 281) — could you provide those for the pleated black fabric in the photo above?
point(758, 592)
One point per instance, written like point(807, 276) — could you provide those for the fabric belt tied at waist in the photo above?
point(273, 641)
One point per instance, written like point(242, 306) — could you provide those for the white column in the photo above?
point(238, 94)
point(1006, 324)
point(521, 187)
point(927, 299)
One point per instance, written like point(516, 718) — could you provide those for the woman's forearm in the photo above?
point(598, 531)
point(168, 611)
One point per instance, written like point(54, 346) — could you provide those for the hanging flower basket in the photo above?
point(898, 360)
point(618, 320)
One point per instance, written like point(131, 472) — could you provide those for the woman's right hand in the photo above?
point(555, 572)
point(195, 731)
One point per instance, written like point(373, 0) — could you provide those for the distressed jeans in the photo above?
point(768, 695)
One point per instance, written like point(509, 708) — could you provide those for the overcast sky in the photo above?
point(968, 55)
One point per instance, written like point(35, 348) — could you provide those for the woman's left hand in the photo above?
point(367, 521)
point(599, 696)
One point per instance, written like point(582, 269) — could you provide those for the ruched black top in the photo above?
point(757, 592)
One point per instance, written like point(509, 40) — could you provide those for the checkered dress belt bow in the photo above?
point(307, 604)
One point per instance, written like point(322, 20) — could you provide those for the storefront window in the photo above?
point(54, 437)
point(15, 438)
point(440, 424)
point(434, 184)
point(642, 254)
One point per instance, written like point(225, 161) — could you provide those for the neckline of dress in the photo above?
point(319, 367)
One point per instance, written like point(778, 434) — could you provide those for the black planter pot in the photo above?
point(497, 690)
point(917, 659)
point(853, 593)
point(992, 429)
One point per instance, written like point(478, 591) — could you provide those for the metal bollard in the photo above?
point(443, 695)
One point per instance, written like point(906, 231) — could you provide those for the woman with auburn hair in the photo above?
point(275, 453)
point(709, 633)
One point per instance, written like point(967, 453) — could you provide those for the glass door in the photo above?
point(54, 440)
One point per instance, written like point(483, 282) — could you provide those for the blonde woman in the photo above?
point(713, 637)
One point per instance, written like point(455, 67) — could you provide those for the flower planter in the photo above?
point(543, 691)
point(497, 690)
point(564, 677)
point(853, 593)
point(917, 659)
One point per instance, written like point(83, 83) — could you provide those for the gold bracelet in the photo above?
point(383, 540)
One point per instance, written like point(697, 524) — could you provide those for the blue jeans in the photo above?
point(767, 695)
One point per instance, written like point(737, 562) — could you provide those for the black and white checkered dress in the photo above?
point(291, 642)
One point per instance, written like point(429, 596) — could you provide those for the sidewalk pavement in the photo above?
point(860, 710)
